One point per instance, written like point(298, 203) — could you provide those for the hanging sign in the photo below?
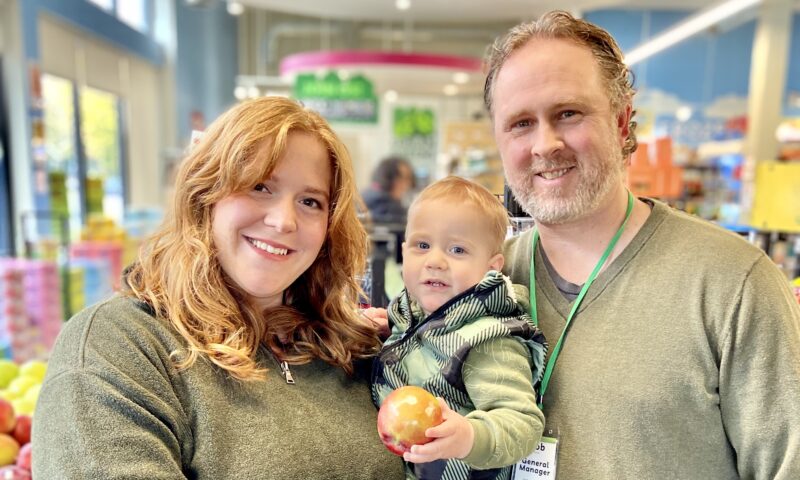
point(350, 100)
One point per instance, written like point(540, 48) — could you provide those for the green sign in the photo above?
point(350, 100)
point(411, 121)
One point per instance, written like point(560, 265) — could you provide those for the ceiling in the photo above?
point(456, 10)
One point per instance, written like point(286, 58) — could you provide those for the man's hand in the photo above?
point(377, 318)
point(453, 439)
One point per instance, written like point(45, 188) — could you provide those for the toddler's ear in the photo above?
point(497, 262)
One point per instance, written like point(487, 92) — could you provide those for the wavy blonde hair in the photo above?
point(179, 276)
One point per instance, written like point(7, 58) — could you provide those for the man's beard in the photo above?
point(557, 205)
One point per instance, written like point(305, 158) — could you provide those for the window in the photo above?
point(87, 176)
point(132, 12)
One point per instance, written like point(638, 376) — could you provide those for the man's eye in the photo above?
point(522, 124)
point(568, 114)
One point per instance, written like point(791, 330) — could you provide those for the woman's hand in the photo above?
point(453, 438)
point(377, 318)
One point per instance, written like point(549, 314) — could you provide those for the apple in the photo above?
point(13, 472)
point(404, 416)
point(8, 371)
point(22, 430)
point(33, 368)
point(24, 457)
point(7, 416)
point(21, 384)
point(9, 448)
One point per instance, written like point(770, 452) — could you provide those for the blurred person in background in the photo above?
point(681, 341)
point(234, 350)
point(392, 181)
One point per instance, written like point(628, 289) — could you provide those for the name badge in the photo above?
point(539, 465)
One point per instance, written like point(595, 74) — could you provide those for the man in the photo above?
point(682, 360)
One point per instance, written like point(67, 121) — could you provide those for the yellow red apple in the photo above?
point(8, 371)
point(9, 448)
point(7, 416)
point(405, 415)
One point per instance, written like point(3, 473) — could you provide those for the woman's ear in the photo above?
point(497, 262)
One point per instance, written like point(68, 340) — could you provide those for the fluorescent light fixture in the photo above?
point(402, 4)
point(687, 28)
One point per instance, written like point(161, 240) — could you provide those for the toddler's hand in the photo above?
point(453, 439)
point(377, 318)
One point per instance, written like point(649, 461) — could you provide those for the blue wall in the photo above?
point(207, 63)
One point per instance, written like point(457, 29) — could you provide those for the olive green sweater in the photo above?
point(683, 361)
point(113, 406)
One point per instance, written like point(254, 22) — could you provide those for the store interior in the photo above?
point(99, 100)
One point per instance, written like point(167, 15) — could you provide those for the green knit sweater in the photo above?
point(113, 406)
point(683, 361)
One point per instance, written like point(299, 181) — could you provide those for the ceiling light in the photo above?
point(253, 92)
point(450, 90)
point(235, 8)
point(390, 96)
point(461, 77)
point(402, 4)
point(683, 114)
point(240, 92)
point(687, 28)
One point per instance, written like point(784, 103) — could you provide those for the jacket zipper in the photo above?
point(286, 373)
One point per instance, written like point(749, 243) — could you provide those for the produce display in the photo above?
point(404, 416)
point(19, 390)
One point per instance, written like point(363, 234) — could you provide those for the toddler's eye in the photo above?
point(458, 250)
point(423, 245)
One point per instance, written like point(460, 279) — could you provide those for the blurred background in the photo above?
point(99, 99)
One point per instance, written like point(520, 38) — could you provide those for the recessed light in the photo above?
point(450, 90)
point(390, 96)
point(461, 77)
point(235, 8)
point(253, 92)
point(402, 4)
point(240, 92)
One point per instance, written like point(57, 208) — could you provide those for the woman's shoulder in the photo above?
point(119, 329)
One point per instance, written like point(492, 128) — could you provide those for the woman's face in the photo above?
point(268, 236)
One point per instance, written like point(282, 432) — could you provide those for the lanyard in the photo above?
point(551, 362)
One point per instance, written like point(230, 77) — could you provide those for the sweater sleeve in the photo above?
point(507, 423)
point(760, 376)
point(107, 409)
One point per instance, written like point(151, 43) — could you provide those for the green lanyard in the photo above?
point(551, 362)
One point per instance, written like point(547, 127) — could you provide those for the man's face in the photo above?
point(560, 141)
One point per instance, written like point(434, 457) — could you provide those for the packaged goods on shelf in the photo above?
point(31, 312)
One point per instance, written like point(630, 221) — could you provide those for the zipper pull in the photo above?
point(287, 374)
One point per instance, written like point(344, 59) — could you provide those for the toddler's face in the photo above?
point(447, 250)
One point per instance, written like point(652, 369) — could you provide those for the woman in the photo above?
point(233, 351)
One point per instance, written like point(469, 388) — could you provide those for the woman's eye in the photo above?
point(260, 187)
point(311, 202)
